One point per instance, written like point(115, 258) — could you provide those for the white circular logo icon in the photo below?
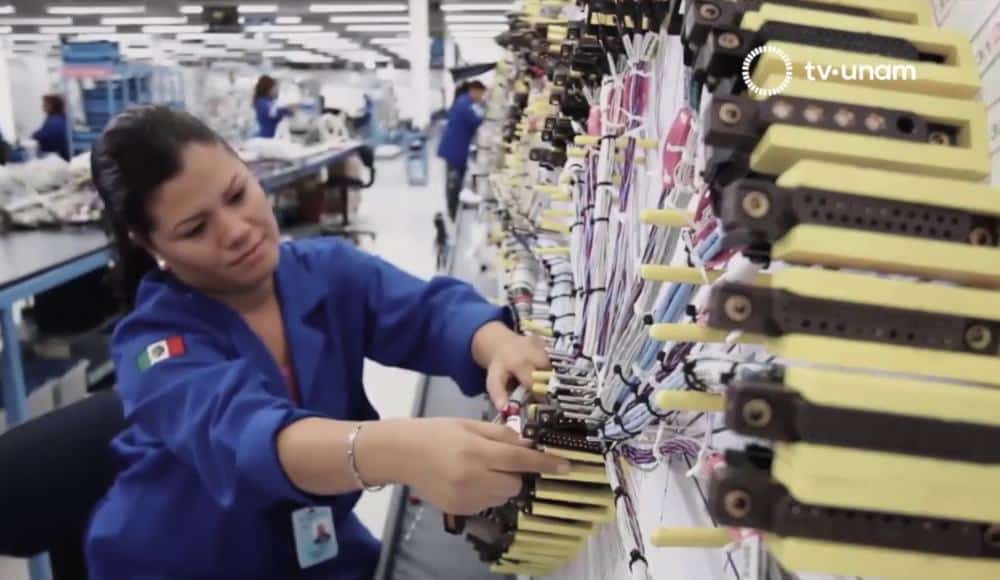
point(748, 61)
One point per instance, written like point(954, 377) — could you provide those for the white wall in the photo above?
point(30, 81)
point(6, 96)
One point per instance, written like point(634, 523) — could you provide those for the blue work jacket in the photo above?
point(463, 121)
point(268, 116)
point(52, 136)
point(202, 494)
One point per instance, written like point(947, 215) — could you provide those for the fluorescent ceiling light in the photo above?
point(295, 36)
point(390, 40)
point(32, 37)
point(473, 18)
point(77, 29)
point(141, 20)
point(464, 7)
point(303, 56)
point(191, 9)
point(352, 8)
point(288, 20)
point(17, 21)
point(131, 38)
point(257, 8)
point(7, 9)
point(474, 34)
point(6, 29)
point(378, 28)
point(285, 28)
point(476, 28)
point(178, 29)
point(370, 19)
point(134, 9)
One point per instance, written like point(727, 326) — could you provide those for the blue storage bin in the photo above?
point(100, 51)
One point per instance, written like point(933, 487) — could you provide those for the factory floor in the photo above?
point(402, 216)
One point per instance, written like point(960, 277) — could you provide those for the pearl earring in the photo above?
point(161, 263)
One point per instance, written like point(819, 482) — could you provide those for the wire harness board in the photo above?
point(759, 243)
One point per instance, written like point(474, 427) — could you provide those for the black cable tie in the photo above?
point(612, 137)
point(575, 225)
point(632, 387)
point(647, 320)
point(604, 184)
point(691, 379)
point(636, 556)
point(598, 289)
point(644, 399)
point(597, 220)
point(553, 318)
point(692, 311)
point(620, 493)
point(626, 430)
point(558, 296)
point(600, 405)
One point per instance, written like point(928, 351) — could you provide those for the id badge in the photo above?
point(315, 536)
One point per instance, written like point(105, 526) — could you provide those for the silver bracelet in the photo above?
point(353, 461)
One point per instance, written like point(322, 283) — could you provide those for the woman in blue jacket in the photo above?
point(52, 136)
point(463, 122)
point(269, 114)
point(240, 368)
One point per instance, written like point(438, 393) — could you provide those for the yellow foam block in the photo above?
point(530, 523)
point(783, 145)
point(876, 291)
point(574, 455)
point(802, 555)
point(691, 537)
point(866, 392)
point(570, 493)
point(582, 513)
point(849, 353)
point(537, 539)
point(691, 401)
point(820, 244)
point(687, 275)
point(957, 76)
point(580, 472)
point(906, 11)
point(671, 218)
point(887, 482)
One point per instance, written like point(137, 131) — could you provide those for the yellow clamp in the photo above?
point(558, 213)
point(532, 326)
point(553, 226)
point(671, 218)
point(683, 332)
point(691, 401)
point(691, 537)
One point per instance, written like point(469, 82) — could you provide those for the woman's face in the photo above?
point(213, 224)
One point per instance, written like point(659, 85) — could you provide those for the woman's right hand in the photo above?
point(464, 467)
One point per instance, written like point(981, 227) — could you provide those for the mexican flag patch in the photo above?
point(161, 351)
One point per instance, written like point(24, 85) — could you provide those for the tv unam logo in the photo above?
point(748, 62)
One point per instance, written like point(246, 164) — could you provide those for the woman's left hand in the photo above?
point(509, 359)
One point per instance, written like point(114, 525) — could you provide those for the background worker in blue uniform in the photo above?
point(52, 136)
point(463, 120)
point(269, 114)
point(240, 367)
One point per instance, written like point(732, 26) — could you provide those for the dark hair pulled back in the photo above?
point(263, 87)
point(139, 151)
